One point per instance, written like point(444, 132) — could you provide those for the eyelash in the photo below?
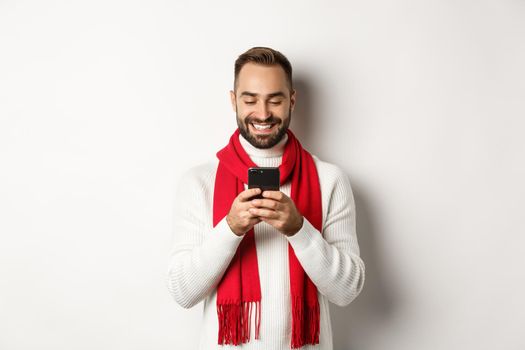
point(273, 103)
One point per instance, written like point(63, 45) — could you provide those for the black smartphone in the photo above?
point(265, 178)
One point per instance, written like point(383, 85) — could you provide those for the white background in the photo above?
point(103, 105)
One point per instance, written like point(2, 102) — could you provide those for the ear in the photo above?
point(292, 99)
point(233, 100)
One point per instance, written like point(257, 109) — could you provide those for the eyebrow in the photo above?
point(273, 94)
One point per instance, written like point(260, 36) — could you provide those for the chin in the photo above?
point(266, 141)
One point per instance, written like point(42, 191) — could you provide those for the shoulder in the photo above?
point(199, 176)
point(202, 170)
point(334, 182)
point(329, 173)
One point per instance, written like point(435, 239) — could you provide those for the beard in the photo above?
point(266, 141)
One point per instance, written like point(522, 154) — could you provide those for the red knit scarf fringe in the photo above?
point(235, 321)
point(302, 318)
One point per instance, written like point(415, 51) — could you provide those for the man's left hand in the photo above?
point(278, 210)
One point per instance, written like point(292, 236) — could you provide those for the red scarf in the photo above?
point(239, 291)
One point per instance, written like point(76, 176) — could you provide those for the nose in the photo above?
point(262, 111)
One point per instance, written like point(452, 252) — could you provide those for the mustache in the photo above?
point(271, 120)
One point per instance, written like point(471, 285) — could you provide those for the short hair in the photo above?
point(264, 56)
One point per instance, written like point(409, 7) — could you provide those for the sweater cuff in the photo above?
point(304, 237)
point(224, 233)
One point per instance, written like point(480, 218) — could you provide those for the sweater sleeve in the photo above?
point(200, 254)
point(331, 260)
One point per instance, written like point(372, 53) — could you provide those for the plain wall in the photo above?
point(103, 105)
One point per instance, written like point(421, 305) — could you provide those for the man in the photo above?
point(265, 268)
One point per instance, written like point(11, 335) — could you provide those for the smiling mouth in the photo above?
point(262, 128)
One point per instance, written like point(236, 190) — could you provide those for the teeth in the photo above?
point(262, 127)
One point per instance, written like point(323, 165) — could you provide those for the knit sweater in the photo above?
point(201, 253)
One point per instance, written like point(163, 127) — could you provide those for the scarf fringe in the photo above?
point(305, 323)
point(235, 320)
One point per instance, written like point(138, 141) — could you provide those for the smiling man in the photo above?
point(265, 268)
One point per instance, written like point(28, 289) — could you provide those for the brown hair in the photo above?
point(265, 56)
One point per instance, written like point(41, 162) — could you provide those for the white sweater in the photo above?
point(201, 253)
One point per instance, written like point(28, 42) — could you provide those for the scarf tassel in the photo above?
point(305, 323)
point(235, 321)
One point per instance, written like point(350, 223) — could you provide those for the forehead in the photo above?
point(261, 79)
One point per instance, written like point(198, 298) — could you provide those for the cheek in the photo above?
point(285, 107)
point(283, 111)
point(243, 113)
point(246, 111)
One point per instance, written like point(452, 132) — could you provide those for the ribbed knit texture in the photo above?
point(201, 253)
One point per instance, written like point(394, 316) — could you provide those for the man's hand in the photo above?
point(278, 210)
point(239, 218)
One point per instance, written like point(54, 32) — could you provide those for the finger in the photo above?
point(272, 222)
point(249, 215)
point(255, 220)
point(266, 203)
point(247, 194)
point(246, 205)
point(264, 213)
point(276, 195)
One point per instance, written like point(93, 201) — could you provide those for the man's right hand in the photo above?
point(239, 218)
